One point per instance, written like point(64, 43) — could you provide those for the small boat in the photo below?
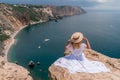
point(39, 46)
point(46, 40)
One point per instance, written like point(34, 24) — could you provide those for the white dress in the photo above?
point(77, 62)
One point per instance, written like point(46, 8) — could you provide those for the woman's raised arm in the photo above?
point(87, 43)
point(67, 51)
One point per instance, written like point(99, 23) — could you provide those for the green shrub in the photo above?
point(33, 16)
point(3, 37)
point(20, 9)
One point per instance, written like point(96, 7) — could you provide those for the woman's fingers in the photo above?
point(84, 38)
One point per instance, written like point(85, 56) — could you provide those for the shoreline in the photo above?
point(12, 42)
point(12, 37)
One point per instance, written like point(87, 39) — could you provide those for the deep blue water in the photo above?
point(102, 28)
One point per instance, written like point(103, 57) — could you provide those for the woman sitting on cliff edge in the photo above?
point(75, 60)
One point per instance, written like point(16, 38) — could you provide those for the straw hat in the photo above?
point(76, 37)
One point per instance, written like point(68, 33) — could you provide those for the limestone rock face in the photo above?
point(60, 73)
point(67, 10)
point(12, 17)
point(10, 71)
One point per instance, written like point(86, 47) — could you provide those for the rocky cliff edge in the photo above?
point(10, 71)
point(60, 73)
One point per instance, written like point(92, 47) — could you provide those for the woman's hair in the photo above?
point(74, 45)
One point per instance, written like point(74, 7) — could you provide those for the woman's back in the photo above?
point(77, 53)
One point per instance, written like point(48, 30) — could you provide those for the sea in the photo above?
point(45, 42)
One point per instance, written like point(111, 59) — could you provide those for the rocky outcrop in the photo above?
point(60, 73)
point(10, 71)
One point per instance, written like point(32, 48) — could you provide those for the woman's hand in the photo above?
point(84, 38)
point(87, 42)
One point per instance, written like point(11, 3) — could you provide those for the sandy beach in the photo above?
point(13, 40)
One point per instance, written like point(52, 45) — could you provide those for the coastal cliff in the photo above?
point(60, 73)
point(13, 18)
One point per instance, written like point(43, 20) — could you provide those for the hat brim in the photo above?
point(79, 39)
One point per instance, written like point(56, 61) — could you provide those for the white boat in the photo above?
point(46, 40)
point(39, 46)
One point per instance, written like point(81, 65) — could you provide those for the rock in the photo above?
point(56, 20)
point(31, 64)
point(10, 71)
point(38, 63)
point(60, 73)
point(40, 70)
point(16, 62)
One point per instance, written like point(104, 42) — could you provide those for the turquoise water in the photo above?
point(102, 28)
